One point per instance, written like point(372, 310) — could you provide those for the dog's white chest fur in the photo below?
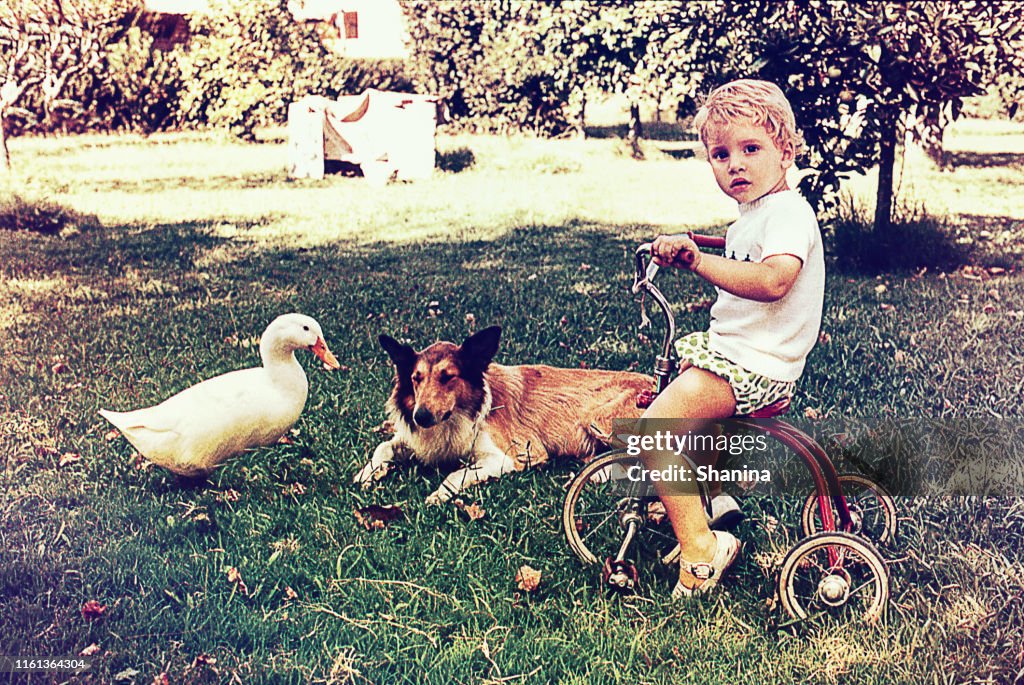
point(450, 440)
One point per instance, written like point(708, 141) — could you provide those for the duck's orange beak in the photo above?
point(319, 348)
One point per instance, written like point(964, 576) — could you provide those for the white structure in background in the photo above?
point(368, 29)
point(383, 133)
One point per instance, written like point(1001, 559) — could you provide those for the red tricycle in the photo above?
point(835, 568)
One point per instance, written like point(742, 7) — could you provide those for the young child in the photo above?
point(766, 318)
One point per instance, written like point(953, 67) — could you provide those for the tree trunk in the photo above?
point(886, 168)
point(582, 120)
point(3, 143)
point(636, 130)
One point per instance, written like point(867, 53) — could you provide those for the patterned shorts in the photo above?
point(752, 391)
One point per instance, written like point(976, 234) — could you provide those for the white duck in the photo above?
point(197, 429)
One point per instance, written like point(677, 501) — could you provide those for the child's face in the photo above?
point(746, 160)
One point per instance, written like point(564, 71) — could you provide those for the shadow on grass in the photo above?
point(652, 131)
point(204, 183)
point(984, 159)
point(915, 240)
point(160, 555)
point(42, 216)
point(161, 247)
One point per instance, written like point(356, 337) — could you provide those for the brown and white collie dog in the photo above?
point(451, 403)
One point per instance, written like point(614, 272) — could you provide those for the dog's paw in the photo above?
point(369, 474)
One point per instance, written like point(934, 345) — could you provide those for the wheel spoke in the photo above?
point(806, 590)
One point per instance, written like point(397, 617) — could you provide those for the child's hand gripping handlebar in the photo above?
point(643, 281)
point(645, 271)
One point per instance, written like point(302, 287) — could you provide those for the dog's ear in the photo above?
point(403, 356)
point(478, 350)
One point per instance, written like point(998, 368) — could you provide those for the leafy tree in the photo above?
point(862, 74)
point(600, 46)
point(523, 65)
point(50, 47)
point(487, 61)
point(141, 87)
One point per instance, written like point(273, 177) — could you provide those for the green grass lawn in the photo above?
point(202, 242)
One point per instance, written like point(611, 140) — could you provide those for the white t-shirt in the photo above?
point(772, 338)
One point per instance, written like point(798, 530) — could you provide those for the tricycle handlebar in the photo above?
point(645, 270)
point(643, 280)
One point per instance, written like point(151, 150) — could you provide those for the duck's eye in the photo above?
point(305, 328)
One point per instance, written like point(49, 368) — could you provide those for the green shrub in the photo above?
point(916, 239)
point(143, 85)
point(454, 161)
point(42, 216)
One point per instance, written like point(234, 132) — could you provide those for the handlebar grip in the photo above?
point(712, 241)
point(708, 241)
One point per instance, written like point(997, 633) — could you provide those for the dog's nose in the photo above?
point(423, 418)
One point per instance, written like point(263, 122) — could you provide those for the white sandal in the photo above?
point(709, 572)
point(725, 514)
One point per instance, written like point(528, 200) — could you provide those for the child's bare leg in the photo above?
point(709, 458)
point(695, 399)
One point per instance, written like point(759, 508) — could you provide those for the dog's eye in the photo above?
point(445, 378)
point(417, 377)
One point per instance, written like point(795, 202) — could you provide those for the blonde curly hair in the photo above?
point(761, 102)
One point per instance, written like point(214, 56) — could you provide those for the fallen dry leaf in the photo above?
point(59, 367)
point(92, 610)
point(994, 294)
point(885, 307)
point(90, 650)
point(290, 594)
point(375, 517)
point(285, 440)
point(812, 414)
point(161, 679)
point(230, 495)
point(527, 579)
point(204, 660)
point(112, 434)
point(996, 270)
point(824, 338)
point(68, 458)
point(139, 462)
point(474, 511)
point(880, 288)
point(236, 578)
point(45, 451)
